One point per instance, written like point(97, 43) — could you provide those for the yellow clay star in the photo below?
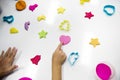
point(13, 30)
point(83, 1)
point(60, 10)
point(94, 42)
point(40, 18)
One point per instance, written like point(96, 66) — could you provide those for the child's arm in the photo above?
point(58, 59)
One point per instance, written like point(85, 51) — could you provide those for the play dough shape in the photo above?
point(9, 19)
point(20, 5)
point(103, 71)
point(43, 34)
point(25, 78)
point(61, 10)
point(42, 17)
point(83, 1)
point(65, 25)
point(111, 7)
point(13, 30)
point(88, 15)
point(33, 7)
point(36, 59)
point(26, 25)
point(94, 42)
point(73, 58)
point(64, 39)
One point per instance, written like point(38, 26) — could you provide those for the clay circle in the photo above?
point(20, 5)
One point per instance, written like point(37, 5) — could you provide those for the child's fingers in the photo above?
point(14, 51)
point(59, 46)
point(12, 68)
point(2, 54)
point(8, 51)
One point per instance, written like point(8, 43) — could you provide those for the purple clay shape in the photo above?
point(26, 25)
point(103, 71)
point(32, 7)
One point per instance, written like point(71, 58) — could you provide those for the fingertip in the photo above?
point(16, 50)
point(15, 67)
point(2, 51)
point(60, 44)
point(9, 48)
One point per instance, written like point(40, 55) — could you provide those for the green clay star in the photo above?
point(42, 34)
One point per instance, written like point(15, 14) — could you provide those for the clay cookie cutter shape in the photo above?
point(73, 58)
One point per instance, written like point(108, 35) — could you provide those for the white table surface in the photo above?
point(105, 28)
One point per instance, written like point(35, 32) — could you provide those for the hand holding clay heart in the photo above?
point(64, 39)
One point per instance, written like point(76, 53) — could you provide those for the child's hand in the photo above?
point(6, 62)
point(59, 56)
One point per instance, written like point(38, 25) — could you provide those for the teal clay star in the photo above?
point(42, 34)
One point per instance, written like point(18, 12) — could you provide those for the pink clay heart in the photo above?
point(64, 39)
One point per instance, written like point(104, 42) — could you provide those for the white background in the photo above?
point(105, 28)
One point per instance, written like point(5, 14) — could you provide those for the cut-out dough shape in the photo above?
point(25, 78)
point(106, 7)
point(103, 71)
point(33, 7)
point(40, 18)
point(83, 1)
point(64, 39)
point(94, 42)
point(26, 25)
point(65, 23)
point(36, 59)
point(43, 34)
point(13, 30)
point(73, 58)
point(61, 10)
point(88, 15)
point(8, 19)
point(20, 5)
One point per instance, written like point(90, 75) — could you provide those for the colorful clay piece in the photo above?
point(42, 34)
point(88, 15)
point(8, 19)
point(26, 25)
point(33, 7)
point(61, 10)
point(25, 78)
point(94, 42)
point(40, 18)
point(13, 30)
point(64, 39)
point(106, 7)
point(103, 71)
point(65, 23)
point(20, 5)
point(73, 57)
point(83, 1)
point(36, 59)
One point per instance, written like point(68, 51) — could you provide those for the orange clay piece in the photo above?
point(20, 5)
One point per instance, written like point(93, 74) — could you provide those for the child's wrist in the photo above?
point(56, 64)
